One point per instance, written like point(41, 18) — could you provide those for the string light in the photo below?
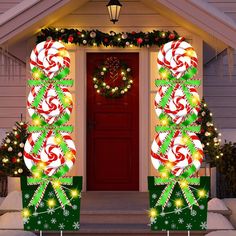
point(58, 140)
point(153, 213)
point(201, 193)
point(184, 140)
point(164, 74)
point(51, 203)
point(26, 213)
point(36, 74)
point(178, 203)
point(63, 53)
point(42, 165)
point(74, 193)
point(36, 121)
point(69, 156)
point(67, 99)
point(197, 155)
point(183, 183)
point(169, 165)
point(56, 183)
point(164, 122)
point(195, 100)
point(37, 174)
point(164, 174)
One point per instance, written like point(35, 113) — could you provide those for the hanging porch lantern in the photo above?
point(114, 7)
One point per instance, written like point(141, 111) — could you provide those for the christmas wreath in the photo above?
point(107, 77)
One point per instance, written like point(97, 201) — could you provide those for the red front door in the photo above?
point(113, 130)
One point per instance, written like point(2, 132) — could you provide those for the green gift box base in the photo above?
point(56, 218)
point(178, 218)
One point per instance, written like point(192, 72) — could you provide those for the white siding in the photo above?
point(220, 93)
point(12, 90)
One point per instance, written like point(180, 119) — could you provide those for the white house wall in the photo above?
point(220, 93)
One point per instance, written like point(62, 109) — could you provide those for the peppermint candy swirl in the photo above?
point(50, 56)
point(177, 107)
point(177, 56)
point(50, 154)
point(50, 107)
point(177, 156)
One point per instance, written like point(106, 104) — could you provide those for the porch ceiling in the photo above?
point(29, 16)
point(198, 17)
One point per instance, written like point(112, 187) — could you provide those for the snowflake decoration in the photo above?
point(203, 225)
point(66, 213)
point(154, 196)
point(169, 204)
point(51, 194)
point(53, 221)
point(193, 213)
point(45, 226)
point(74, 207)
point(27, 196)
point(162, 214)
point(76, 225)
point(178, 211)
point(181, 220)
point(178, 194)
point(61, 226)
point(25, 220)
point(50, 211)
point(189, 226)
point(202, 207)
point(173, 226)
point(35, 214)
point(41, 204)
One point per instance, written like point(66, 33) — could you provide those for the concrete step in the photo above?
point(120, 230)
point(114, 217)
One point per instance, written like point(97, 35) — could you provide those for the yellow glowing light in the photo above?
point(98, 91)
point(164, 122)
point(195, 99)
point(15, 142)
point(5, 144)
point(74, 193)
point(67, 99)
point(51, 203)
point(18, 160)
point(169, 165)
point(131, 45)
point(104, 68)
point(197, 156)
point(36, 121)
point(25, 213)
point(152, 213)
point(63, 53)
point(217, 157)
point(69, 156)
point(183, 183)
point(184, 140)
point(56, 183)
point(94, 44)
point(15, 172)
point(36, 74)
point(37, 174)
point(41, 165)
point(58, 140)
point(164, 74)
point(178, 203)
point(191, 53)
point(164, 174)
point(201, 193)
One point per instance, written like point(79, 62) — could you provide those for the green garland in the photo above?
point(105, 89)
point(98, 38)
